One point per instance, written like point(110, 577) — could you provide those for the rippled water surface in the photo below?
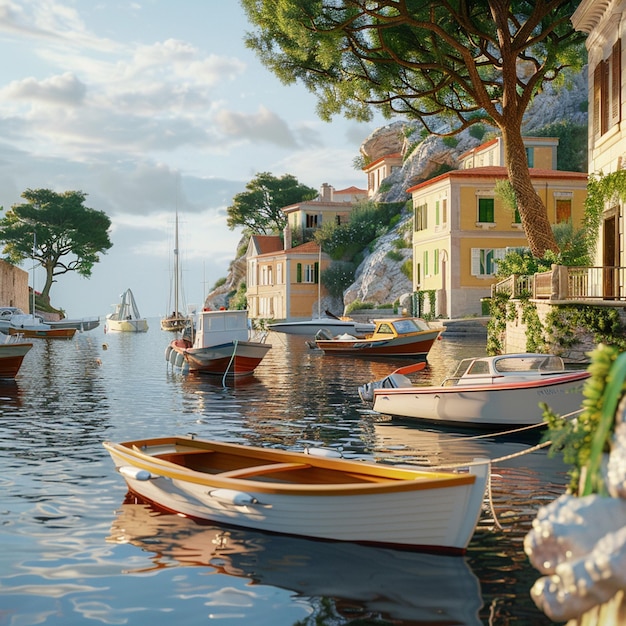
point(76, 549)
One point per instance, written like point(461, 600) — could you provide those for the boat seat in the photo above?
point(262, 469)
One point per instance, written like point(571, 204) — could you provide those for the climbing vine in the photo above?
point(602, 189)
point(496, 327)
point(535, 341)
point(604, 322)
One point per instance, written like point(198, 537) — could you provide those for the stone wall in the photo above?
point(13, 286)
point(516, 331)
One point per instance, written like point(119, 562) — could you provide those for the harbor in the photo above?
point(77, 548)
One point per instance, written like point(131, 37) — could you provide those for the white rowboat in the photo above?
point(305, 494)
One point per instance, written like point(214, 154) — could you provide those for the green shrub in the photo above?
point(394, 255)
point(338, 277)
point(357, 305)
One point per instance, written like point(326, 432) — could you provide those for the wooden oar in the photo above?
point(409, 369)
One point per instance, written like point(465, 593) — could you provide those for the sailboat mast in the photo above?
point(176, 270)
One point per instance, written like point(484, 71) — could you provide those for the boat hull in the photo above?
point(43, 333)
point(495, 405)
point(235, 358)
point(127, 326)
point(433, 511)
point(81, 325)
point(11, 358)
point(310, 327)
point(410, 346)
point(175, 324)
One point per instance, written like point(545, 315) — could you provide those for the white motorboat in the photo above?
point(494, 391)
point(331, 323)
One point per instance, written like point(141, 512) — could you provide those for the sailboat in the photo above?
point(176, 321)
point(126, 317)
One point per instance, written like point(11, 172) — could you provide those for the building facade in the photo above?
point(284, 284)
point(462, 228)
point(604, 24)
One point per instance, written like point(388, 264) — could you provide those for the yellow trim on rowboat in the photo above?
point(410, 480)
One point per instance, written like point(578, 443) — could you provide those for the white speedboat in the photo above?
point(495, 391)
point(333, 324)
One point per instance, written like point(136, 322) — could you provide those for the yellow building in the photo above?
point(284, 284)
point(540, 153)
point(283, 280)
point(461, 229)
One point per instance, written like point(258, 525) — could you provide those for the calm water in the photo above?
point(74, 549)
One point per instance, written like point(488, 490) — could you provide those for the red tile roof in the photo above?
point(495, 172)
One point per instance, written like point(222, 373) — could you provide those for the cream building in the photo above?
point(603, 21)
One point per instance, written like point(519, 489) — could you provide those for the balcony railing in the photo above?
point(568, 283)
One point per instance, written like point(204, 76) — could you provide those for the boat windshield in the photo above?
point(462, 368)
point(530, 363)
point(410, 325)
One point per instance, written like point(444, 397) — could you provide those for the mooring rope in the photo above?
point(501, 459)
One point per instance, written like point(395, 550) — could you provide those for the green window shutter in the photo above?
point(299, 273)
point(485, 210)
point(437, 213)
point(316, 277)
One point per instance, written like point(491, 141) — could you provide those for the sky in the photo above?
point(152, 107)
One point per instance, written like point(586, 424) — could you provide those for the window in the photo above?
point(421, 212)
point(279, 273)
point(485, 260)
point(436, 261)
point(437, 213)
point(311, 221)
point(607, 91)
point(425, 262)
point(530, 157)
point(563, 210)
point(444, 211)
point(309, 275)
point(485, 210)
point(517, 218)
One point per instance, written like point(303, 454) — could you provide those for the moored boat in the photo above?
point(126, 317)
point(402, 337)
point(81, 325)
point(331, 323)
point(220, 343)
point(32, 327)
point(305, 494)
point(13, 349)
point(176, 322)
point(495, 391)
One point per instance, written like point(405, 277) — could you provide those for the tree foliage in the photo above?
point(259, 208)
point(58, 231)
point(447, 65)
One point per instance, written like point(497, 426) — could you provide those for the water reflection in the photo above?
point(358, 581)
point(60, 492)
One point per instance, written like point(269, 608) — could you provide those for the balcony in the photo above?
point(561, 283)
